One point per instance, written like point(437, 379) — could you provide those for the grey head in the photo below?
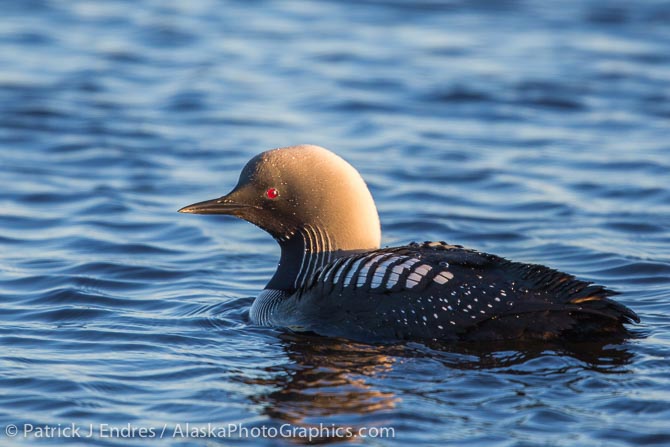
point(315, 204)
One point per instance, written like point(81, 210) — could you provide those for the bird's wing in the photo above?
point(430, 286)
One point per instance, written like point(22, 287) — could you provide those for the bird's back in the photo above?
point(440, 292)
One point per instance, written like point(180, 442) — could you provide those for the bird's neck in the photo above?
point(304, 253)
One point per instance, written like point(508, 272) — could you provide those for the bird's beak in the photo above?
point(222, 205)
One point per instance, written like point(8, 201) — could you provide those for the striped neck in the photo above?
point(302, 254)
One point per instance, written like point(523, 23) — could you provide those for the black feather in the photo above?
point(487, 298)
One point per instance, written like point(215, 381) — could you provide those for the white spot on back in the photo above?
point(366, 268)
point(440, 279)
point(352, 271)
point(342, 268)
point(326, 272)
point(443, 277)
point(415, 276)
point(412, 280)
point(423, 269)
point(410, 262)
point(380, 271)
point(393, 279)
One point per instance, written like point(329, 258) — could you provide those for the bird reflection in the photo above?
point(327, 377)
point(330, 380)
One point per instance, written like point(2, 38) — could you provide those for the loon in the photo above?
point(335, 280)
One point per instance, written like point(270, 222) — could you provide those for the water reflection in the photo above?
point(327, 382)
point(339, 383)
point(505, 356)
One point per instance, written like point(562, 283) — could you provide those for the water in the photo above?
point(534, 130)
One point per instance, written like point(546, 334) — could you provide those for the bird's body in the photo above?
point(439, 292)
point(333, 279)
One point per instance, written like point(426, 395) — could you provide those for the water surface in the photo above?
point(534, 130)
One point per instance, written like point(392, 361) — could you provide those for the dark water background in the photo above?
point(536, 130)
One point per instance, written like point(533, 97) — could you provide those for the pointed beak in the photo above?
point(222, 205)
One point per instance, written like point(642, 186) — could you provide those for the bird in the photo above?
point(334, 279)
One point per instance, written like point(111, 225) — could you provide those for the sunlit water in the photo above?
point(535, 130)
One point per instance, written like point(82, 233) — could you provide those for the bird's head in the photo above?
point(286, 190)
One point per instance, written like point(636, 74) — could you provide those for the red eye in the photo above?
point(272, 193)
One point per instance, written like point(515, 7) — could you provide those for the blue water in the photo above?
point(535, 130)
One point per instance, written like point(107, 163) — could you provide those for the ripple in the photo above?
point(461, 94)
point(526, 129)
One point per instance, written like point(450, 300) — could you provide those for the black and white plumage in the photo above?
point(334, 279)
